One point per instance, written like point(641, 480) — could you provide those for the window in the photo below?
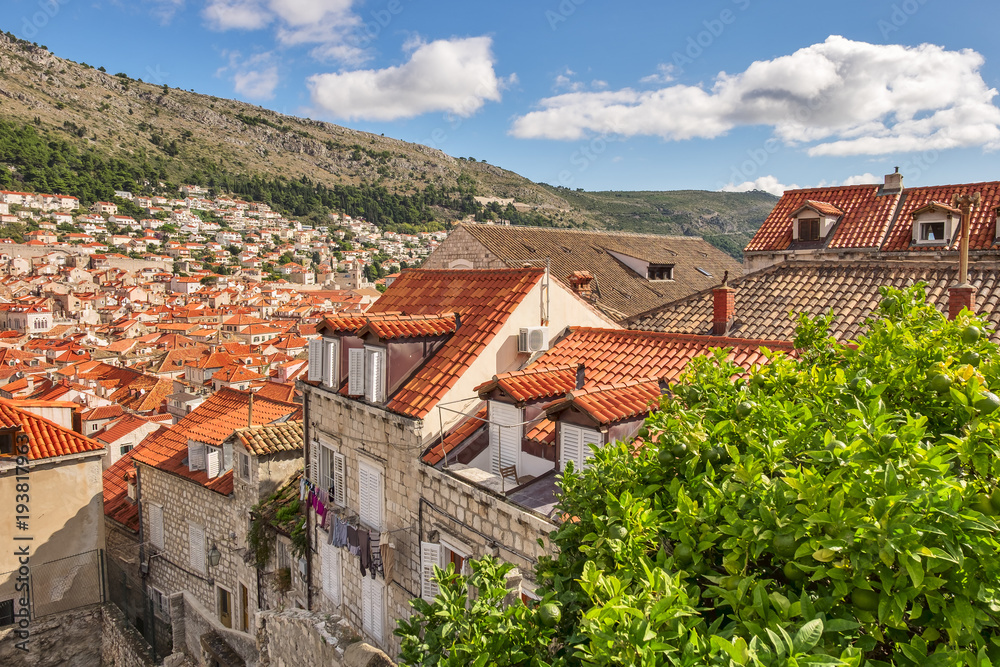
point(213, 466)
point(505, 436)
point(331, 572)
point(931, 232)
point(94, 427)
point(574, 444)
point(196, 546)
point(660, 272)
point(356, 371)
point(125, 449)
point(370, 494)
point(156, 526)
point(6, 444)
point(225, 603)
point(372, 603)
point(284, 561)
point(161, 606)
point(244, 608)
point(244, 466)
point(808, 229)
point(332, 475)
point(6, 612)
point(374, 375)
point(196, 455)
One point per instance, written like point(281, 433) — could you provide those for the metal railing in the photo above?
point(60, 585)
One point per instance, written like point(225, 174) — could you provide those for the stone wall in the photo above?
point(191, 621)
point(122, 645)
point(461, 246)
point(298, 637)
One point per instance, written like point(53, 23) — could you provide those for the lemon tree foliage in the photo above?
point(839, 507)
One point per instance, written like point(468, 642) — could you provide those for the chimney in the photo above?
point(580, 281)
point(724, 300)
point(893, 183)
point(959, 297)
point(581, 376)
point(250, 411)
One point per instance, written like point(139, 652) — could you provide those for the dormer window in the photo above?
point(813, 221)
point(935, 224)
point(660, 272)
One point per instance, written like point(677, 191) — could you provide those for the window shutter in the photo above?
point(331, 573)
point(570, 446)
point(313, 474)
point(588, 437)
point(196, 455)
point(330, 363)
point(339, 480)
point(372, 601)
point(156, 526)
point(315, 360)
point(356, 371)
point(375, 374)
point(370, 493)
point(196, 544)
point(505, 437)
point(214, 465)
point(430, 555)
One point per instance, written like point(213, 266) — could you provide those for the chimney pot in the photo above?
point(961, 297)
point(893, 183)
point(724, 308)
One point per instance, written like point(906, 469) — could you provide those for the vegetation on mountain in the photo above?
point(830, 508)
point(109, 132)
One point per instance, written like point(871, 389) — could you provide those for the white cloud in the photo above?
point(766, 183)
point(842, 97)
point(454, 76)
point(165, 10)
point(664, 74)
point(861, 179)
point(256, 84)
point(329, 24)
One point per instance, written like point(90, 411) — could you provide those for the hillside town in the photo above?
point(269, 430)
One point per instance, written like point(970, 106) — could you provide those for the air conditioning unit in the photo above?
point(533, 339)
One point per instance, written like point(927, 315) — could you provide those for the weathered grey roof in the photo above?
point(619, 291)
point(768, 301)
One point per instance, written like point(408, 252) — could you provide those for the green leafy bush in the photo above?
point(830, 508)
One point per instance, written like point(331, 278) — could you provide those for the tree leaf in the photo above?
point(808, 636)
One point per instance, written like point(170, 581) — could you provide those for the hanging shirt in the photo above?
point(364, 541)
point(353, 543)
point(388, 557)
point(376, 555)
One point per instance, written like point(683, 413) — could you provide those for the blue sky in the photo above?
point(724, 94)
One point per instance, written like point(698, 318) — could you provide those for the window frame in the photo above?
point(656, 272)
point(815, 231)
point(922, 235)
point(244, 462)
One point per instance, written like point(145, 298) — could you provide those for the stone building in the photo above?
point(189, 490)
point(375, 381)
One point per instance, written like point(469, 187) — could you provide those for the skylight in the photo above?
point(703, 271)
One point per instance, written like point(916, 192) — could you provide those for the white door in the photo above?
point(505, 435)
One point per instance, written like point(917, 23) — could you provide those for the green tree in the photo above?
point(837, 507)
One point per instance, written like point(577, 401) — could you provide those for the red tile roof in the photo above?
point(534, 383)
point(982, 231)
point(103, 412)
point(212, 423)
point(391, 327)
point(863, 225)
point(46, 438)
point(611, 403)
point(121, 428)
point(271, 438)
point(117, 506)
point(820, 207)
point(484, 298)
point(457, 436)
point(618, 355)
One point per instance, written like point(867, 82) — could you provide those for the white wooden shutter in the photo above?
point(339, 479)
point(214, 465)
point(156, 526)
point(330, 362)
point(315, 360)
point(196, 545)
point(331, 573)
point(313, 473)
point(356, 371)
point(196, 455)
point(570, 446)
point(370, 494)
point(374, 375)
point(505, 436)
point(588, 437)
point(430, 555)
point(372, 593)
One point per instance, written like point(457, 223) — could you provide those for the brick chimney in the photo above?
point(959, 297)
point(893, 183)
point(580, 281)
point(724, 299)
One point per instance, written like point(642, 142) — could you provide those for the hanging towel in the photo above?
point(376, 555)
point(327, 519)
point(324, 497)
point(365, 542)
point(333, 527)
point(388, 557)
point(353, 542)
point(302, 489)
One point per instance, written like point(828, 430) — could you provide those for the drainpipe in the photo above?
point(962, 295)
point(306, 451)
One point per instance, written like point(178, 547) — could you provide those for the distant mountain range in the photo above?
point(177, 136)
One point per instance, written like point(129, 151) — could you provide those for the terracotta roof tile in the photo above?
point(533, 383)
point(390, 327)
point(271, 438)
point(982, 231)
point(46, 438)
point(611, 403)
point(457, 436)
